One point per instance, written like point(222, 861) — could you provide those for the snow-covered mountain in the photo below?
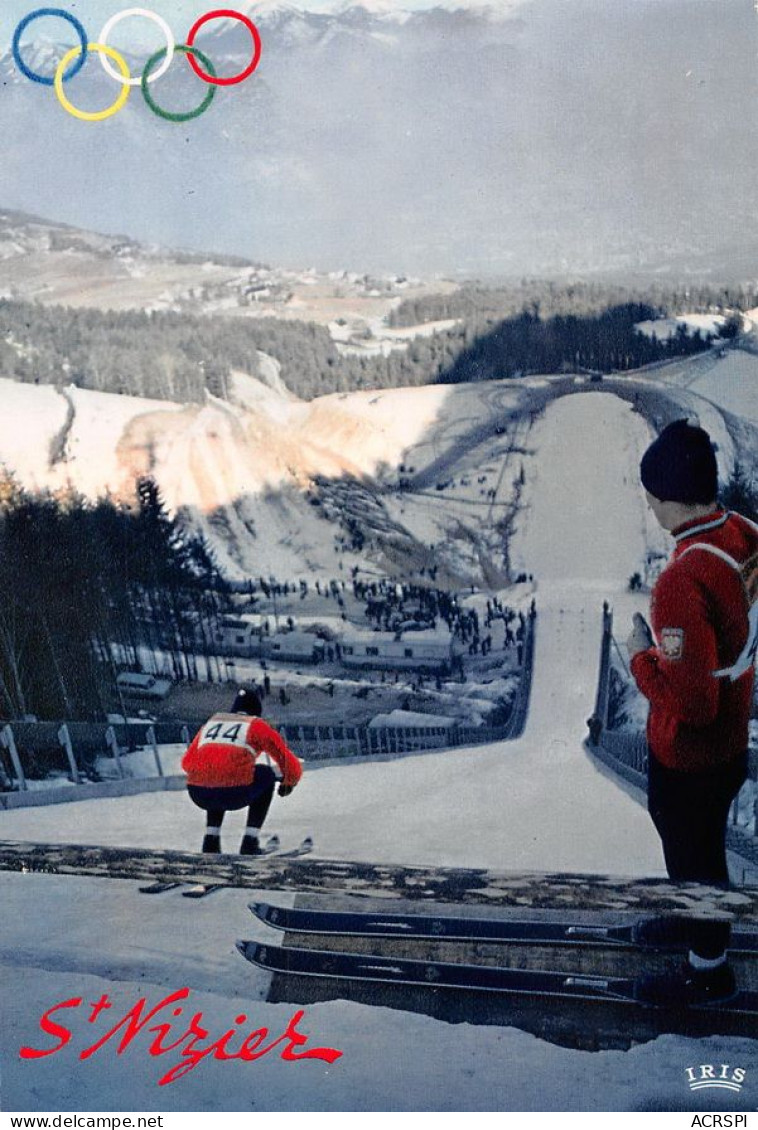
point(274, 482)
point(504, 138)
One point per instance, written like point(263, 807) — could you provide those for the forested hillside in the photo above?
point(478, 304)
point(79, 578)
point(536, 328)
point(606, 342)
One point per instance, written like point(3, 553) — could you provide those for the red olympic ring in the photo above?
point(225, 13)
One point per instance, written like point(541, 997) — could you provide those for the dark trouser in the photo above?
point(690, 812)
point(256, 797)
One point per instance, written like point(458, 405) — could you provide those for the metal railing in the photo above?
point(67, 754)
point(517, 721)
point(48, 755)
point(625, 751)
point(35, 755)
point(314, 743)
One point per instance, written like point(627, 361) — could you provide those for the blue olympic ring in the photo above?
point(75, 67)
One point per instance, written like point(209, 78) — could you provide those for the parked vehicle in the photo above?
point(139, 685)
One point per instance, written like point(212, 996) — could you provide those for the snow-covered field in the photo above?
point(732, 383)
point(726, 376)
point(664, 328)
point(538, 803)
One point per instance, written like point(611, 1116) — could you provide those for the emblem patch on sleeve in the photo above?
point(672, 642)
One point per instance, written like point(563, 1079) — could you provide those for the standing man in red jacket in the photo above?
point(223, 773)
point(699, 709)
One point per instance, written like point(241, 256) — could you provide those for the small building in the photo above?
point(240, 635)
point(249, 635)
point(299, 647)
point(418, 651)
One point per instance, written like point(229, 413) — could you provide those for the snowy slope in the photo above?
point(730, 381)
point(239, 469)
point(48, 409)
point(279, 437)
point(726, 377)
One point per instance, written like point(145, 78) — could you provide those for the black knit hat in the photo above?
point(247, 702)
point(680, 466)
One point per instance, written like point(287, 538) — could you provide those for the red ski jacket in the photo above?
point(223, 753)
point(699, 612)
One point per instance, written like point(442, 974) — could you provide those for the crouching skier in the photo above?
point(223, 773)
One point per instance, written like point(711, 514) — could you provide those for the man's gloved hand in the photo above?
point(285, 790)
point(640, 637)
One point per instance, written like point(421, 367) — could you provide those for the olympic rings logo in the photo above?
point(156, 66)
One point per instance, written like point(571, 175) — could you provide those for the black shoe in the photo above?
point(250, 846)
point(688, 986)
point(211, 844)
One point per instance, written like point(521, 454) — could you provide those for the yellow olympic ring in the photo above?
point(99, 115)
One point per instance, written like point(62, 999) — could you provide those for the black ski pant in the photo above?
point(256, 797)
point(690, 812)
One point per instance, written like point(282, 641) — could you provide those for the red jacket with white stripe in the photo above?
point(699, 612)
point(223, 753)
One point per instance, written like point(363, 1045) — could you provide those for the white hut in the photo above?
point(415, 651)
point(300, 647)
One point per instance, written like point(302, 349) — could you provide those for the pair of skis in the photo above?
point(201, 890)
point(671, 934)
point(449, 975)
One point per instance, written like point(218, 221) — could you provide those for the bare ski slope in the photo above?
point(537, 803)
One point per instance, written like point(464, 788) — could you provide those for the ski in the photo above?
point(478, 978)
point(159, 888)
point(201, 890)
point(271, 845)
point(455, 928)
point(305, 847)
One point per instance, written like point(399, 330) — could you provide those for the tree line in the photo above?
point(603, 342)
point(89, 588)
point(485, 305)
point(159, 355)
point(182, 357)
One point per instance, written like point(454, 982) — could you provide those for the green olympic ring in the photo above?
point(166, 114)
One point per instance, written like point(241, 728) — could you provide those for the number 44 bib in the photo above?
point(229, 730)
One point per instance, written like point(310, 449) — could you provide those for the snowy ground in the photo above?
point(664, 328)
point(538, 803)
point(728, 377)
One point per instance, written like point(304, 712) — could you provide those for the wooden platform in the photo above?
point(525, 891)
